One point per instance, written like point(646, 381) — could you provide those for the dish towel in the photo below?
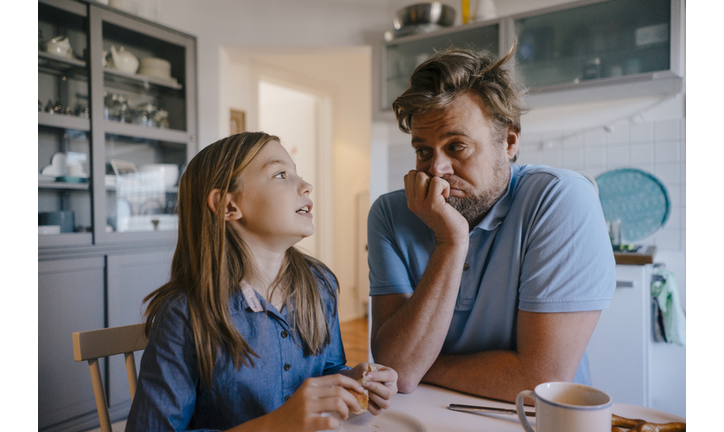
point(669, 315)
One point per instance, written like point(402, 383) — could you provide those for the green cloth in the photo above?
point(666, 293)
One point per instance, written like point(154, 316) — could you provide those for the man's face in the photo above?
point(460, 145)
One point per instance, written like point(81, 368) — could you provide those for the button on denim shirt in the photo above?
point(169, 396)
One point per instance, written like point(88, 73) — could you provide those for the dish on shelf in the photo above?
point(43, 178)
point(71, 179)
point(48, 229)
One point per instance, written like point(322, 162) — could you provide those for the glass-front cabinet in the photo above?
point(64, 142)
point(404, 55)
point(576, 45)
point(595, 41)
point(116, 124)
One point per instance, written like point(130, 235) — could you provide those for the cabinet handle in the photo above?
point(624, 284)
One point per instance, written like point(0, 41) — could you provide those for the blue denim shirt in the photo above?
point(169, 396)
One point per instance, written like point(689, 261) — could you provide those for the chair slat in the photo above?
point(109, 341)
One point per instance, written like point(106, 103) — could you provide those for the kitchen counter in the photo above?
point(636, 258)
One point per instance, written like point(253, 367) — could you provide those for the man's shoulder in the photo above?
point(544, 177)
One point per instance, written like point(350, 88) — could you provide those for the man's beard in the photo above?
point(475, 208)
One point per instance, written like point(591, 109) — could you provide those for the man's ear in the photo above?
point(512, 139)
point(231, 211)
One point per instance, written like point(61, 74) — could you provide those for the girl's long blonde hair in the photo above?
point(211, 259)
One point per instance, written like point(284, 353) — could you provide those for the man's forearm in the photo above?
point(410, 339)
point(492, 374)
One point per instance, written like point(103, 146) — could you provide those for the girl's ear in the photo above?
point(231, 211)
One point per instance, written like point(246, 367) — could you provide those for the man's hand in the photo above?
point(426, 198)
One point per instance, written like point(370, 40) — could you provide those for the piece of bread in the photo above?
point(364, 397)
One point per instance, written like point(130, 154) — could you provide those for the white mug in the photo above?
point(566, 407)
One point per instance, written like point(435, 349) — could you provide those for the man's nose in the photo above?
point(440, 165)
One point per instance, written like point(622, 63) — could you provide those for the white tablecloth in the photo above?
point(429, 405)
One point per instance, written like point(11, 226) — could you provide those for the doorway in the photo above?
point(301, 117)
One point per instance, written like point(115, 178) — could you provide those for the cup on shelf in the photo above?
point(64, 219)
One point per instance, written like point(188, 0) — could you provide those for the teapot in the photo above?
point(123, 60)
point(60, 46)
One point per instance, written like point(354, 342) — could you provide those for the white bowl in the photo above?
point(155, 67)
point(170, 172)
point(48, 229)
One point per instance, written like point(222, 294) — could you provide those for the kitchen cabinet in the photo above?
point(610, 49)
point(110, 142)
point(111, 146)
point(624, 359)
point(402, 56)
point(70, 299)
point(619, 350)
point(131, 277)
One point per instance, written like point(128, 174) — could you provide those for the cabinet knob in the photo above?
point(193, 138)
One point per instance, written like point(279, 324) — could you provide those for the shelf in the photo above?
point(140, 80)
point(131, 130)
point(67, 239)
point(56, 62)
point(64, 186)
point(63, 121)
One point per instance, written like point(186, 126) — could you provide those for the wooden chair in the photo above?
point(95, 344)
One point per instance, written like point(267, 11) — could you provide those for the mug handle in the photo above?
point(521, 409)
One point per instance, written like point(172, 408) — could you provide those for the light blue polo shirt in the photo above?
point(544, 247)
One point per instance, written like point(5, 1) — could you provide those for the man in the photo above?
point(486, 277)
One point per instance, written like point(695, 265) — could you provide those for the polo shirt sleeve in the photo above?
point(388, 272)
point(568, 262)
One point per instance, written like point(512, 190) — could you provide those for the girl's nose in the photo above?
point(306, 187)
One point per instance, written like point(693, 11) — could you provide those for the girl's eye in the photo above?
point(280, 175)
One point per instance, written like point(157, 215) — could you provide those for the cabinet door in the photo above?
point(64, 198)
point(608, 39)
point(70, 299)
point(403, 56)
point(143, 122)
point(618, 352)
point(130, 279)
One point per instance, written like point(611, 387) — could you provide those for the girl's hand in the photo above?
point(381, 383)
point(303, 411)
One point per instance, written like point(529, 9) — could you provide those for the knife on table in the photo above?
point(481, 409)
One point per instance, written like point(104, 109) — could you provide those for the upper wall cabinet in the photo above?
point(614, 48)
point(602, 43)
point(116, 124)
point(402, 56)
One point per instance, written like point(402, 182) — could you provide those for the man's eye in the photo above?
point(422, 153)
point(280, 175)
point(455, 147)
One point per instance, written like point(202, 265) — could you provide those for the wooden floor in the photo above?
point(354, 338)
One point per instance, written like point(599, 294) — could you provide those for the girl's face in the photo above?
point(274, 201)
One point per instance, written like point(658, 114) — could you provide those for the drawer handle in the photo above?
point(624, 284)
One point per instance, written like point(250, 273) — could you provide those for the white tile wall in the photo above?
point(658, 147)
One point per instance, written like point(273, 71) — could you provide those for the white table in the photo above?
point(429, 405)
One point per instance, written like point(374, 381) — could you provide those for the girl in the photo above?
point(245, 335)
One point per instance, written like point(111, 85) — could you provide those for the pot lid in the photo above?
point(636, 198)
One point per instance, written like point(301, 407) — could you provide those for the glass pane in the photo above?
point(607, 39)
point(143, 80)
point(141, 183)
point(62, 68)
point(64, 200)
point(404, 57)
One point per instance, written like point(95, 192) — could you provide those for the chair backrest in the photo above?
point(95, 344)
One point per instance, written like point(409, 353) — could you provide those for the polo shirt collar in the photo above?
point(501, 208)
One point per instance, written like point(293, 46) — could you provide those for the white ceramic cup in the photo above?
point(566, 407)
